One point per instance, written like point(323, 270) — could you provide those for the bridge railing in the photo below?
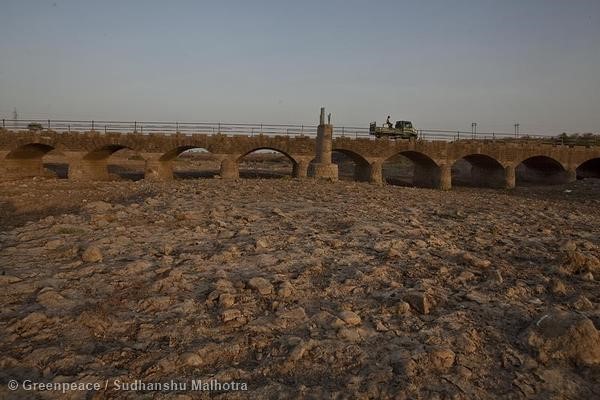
point(189, 128)
point(165, 128)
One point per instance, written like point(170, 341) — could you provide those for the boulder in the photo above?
point(564, 335)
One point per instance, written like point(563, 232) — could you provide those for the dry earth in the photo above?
point(301, 289)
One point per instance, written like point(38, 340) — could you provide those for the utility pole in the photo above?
point(473, 130)
point(517, 130)
point(15, 114)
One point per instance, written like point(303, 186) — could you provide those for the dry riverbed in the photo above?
point(301, 289)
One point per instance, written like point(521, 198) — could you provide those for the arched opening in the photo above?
point(56, 163)
point(29, 151)
point(478, 170)
point(190, 162)
point(351, 165)
point(36, 159)
point(589, 169)
point(117, 162)
point(540, 170)
point(266, 163)
point(411, 168)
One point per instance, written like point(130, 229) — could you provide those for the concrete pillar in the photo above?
point(300, 169)
point(229, 168)
point(157, 170)
point(445, 177)
point(376, 170)
point(510, 177)
point(324, 168)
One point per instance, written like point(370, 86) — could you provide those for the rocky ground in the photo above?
point(301, 289)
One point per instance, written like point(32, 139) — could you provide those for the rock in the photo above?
point(475, 261)
point(297, 314)
point(441, 359)
point(6, 279)
point(380, 327)
point(402, 308)
point(92, 254)
point(350, 318)
point(226, 300)
point(98, 206)
point(49, 298)
point(54, 244)
point(564, 336)
point(403, 364)
point(285, 289)
point(466, 276)
point(349, 334)
point(300, 349)
point(587, 276)
point(557, 287)
point(419, 301)
point(582, 303)
point(136, 267)
point(262, 285)
point(262, 244)
point(192, 359)
point(230, 314)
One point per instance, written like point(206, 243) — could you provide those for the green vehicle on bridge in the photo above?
point(401, 130)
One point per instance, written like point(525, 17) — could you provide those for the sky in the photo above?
point(441, 64)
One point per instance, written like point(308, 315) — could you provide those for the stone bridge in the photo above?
point(493, 163)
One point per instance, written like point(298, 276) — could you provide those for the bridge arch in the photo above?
point(36, 159)
point(110, 161)
point(351, 164)
point(411, 168)
point(479, 170)
point(589, 169)
point(177, 151)
point(189, 162)
point(541, 170)
point(265, 162)
point(30, 151)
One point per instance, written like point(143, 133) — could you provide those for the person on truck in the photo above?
point(388, 122)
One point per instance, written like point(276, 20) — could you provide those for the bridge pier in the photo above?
point(22, 168)
point(300, 168)
point(571, 174)
point(157, 170)
point(229, 168)
point(376, 172)
point(510, 177)
point(445, 180)
point(88, 170)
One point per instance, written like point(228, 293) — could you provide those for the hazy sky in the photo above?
point(441, 64)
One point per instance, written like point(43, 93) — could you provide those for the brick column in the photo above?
point(509, 177)
point(571, 175)
point(300, 170)
point(230, 168)
point(157, 170)
point(445, 177)
point(376, 172)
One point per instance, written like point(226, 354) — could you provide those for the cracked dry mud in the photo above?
point(302, 289)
